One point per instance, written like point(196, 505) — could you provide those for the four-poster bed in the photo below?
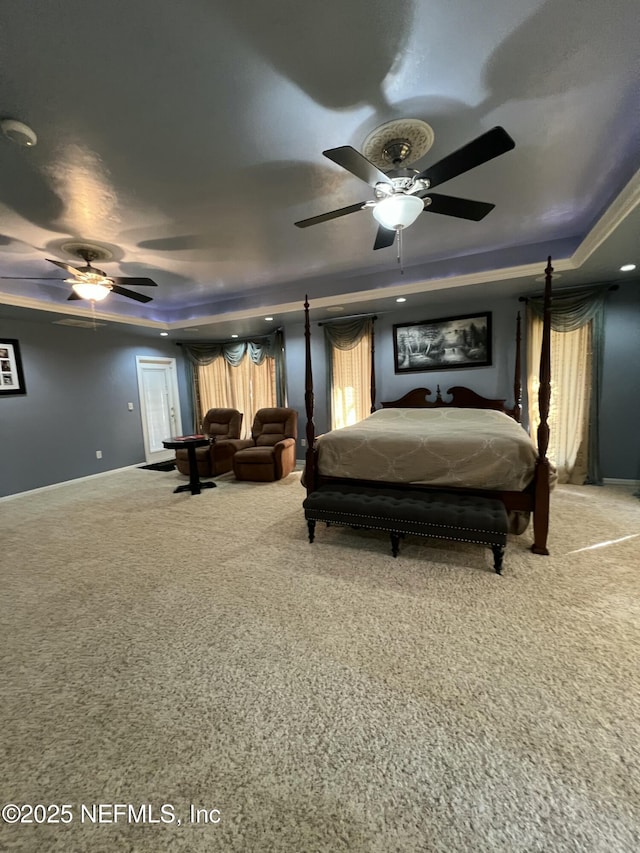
point(392, 448)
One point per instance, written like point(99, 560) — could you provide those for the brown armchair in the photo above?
point(216, 458)
point(270, 453)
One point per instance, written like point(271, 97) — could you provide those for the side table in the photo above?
point(190, 442)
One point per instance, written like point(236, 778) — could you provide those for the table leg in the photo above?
point(195, 484)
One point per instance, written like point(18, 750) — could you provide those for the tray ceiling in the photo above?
point(187, 139)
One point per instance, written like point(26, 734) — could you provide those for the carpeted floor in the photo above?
point(162, 648)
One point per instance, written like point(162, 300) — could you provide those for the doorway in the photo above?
point(159, 405)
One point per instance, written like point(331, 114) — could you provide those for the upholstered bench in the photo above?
point(443, 515)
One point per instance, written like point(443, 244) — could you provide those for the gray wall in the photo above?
point(619, 432)
point(494, 381)
point(620, 401)
point(78, 382)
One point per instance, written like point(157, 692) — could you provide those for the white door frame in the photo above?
point(168, 366)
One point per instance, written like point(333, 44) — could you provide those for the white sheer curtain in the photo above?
point(247, 387)
point(571, 372)
point(351, 383)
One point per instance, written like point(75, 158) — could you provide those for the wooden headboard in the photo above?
point(461, 398)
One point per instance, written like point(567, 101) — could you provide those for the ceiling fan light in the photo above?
point(398, 211)
point(86, 290)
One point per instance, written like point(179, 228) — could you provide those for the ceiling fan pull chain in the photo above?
point(399, 232)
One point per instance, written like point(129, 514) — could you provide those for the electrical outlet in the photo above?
point(130, 406)
point(303, 442)
point(98, 454)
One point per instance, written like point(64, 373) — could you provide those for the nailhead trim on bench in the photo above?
point(482, 520)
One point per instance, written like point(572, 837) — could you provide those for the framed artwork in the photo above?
point(444, 344)
point(11, 375)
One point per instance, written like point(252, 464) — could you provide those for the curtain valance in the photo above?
point(571, 310)
point(256, 348)
point(348, 334)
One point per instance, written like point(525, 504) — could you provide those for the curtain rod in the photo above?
point(349, 317)
point(566, 290)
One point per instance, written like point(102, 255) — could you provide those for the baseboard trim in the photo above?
point(614, 481)
point(67, 482)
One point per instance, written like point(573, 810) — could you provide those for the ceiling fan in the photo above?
point(89, 282)
point(402, 193)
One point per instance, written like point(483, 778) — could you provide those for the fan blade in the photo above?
point(135, 282)
point(491, 144)
point(333, 214)
point(384, 238)
point(463, 208)
point(71, 270)
point(356, 163)
point(139, 297)
point(73, 295)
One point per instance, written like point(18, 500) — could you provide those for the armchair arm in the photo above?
point(221, 452)
point(284, 453)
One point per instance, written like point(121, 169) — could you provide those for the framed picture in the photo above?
point(11, 375)
point(444, 344)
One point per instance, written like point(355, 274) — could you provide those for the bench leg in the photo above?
point(498, 554)
point(311, 525)
point(395, 543)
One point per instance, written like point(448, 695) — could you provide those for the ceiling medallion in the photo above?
point(86, 251)
point(398, 142)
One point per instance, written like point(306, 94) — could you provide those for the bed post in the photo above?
point(373, 366)
point(517, 379)
point(541, 504)
point(309, 464)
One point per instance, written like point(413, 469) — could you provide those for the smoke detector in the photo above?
point(18, 132)
point(398, 143)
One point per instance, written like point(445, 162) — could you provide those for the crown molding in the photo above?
point(624, 204)
point(77, 311)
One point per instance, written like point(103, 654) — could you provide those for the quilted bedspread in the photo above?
point(473, 448)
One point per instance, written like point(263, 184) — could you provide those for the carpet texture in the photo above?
point(176, 649)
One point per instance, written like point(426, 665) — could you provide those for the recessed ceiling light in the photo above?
point(234, 336)
point(164, 334)
point(401, 299)
point(627, 268)
point(268, 318)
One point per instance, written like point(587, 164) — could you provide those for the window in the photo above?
point(570, 398)
point(350, 347)
point(247, 387)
